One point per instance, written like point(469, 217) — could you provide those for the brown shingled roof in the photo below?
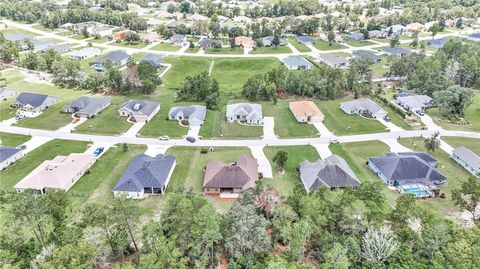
point(242, 174)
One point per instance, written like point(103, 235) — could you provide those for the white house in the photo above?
point(414, 102)
point(84, 53)
point(139, 110)
point(8, 156)
point(194, 114)
point(33, 102)
point(467, 159)
point(362, 107)
point(245, 112)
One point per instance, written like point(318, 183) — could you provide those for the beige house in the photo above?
point(244, 41)
point(306, 111)
point(61, 173)
point(415, 27)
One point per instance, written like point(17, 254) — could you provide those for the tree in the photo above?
point(299, 236)
point(394, 41)
point(246, 231)
point(432, 143)
point(124, 147)
point(434, 29)
point(267, 199)
point(377, 245)
point(336, 258)
point(280, 159)
point(200, 87)
point(467, 197)
point(414, 40)
point(71, 256)
point(331, 37)
point(127, 214)
point(282, 221)
point(66, 72)
point(85, 32)
point(132, 37)
point(453, 100)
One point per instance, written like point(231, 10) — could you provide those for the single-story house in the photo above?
point(437, 43)
point(194, 114)
point(102, 30)
point(198, 17)
point(242, 19)
point(296, 63)
point(363, 107)
point(139, 110)
point(178, 39)
point(60, 48)
point(467, 159)
point(415, 27)
point(408, 168)
point(87, 107)
point(207, 43)
point(396, 51)
point(84, 53)
point(8, 156)
point(244, 42)
point(414, 102)
point(356, 36)
point(306, 111)
point(474, 37)
point(173, 24)
point(267, 41)
point(6, 93)
point(117, 58)
point(154, 59)
point(397, 30)
point(33, 102)
point(332, 60)
point(363, 53)
point(377, 34)
point(305, 40)
point(245, 112)
point(332, 172)
point(146, 175)
point(230, 178)
point(61, 173)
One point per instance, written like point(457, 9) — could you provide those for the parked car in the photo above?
point(333, 141)
point(19, 117)
point(191, 139)
point(164, 137)
point(22, 147)
point(420, 113)
point(98, 151)
point(386, 118)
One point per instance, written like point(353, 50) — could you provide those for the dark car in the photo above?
point(190, 139)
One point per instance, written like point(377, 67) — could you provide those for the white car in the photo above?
point(333, 141)
point(164, 137)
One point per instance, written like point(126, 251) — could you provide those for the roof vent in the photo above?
point(136, 107)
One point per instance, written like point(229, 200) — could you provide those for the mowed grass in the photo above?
point(395, 117)
point(49, 119)
point(224, 51)
point(324, 45)
point(13, 140)
point(98, 184)
point(455, 176)
point(472, 144)
point(139, 45)
point(286, 126)
point(299, 46)
point(361, 43)
point(340, 123)
point(272, 50)
point(231, 74)
point(183, 67)
point(6, 112)
point(160, 125)
point(285, 183)
point(165, 47)
point(107, 122)
point(472, 116)
point(14, 173)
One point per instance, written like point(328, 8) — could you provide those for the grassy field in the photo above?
point(340, 123)
point(160, 125)
point(360, 43)
point(380, 68)
point(6, 112)
point(324, 45)
point(299, 46)
point(285, 123)
point(472, 144)
point(233, 73)
point(13, 30)
point(224, 51)
point(13, 174)
point(472, 115)
point(50, 119)
point(165, 47)
point(272, 50)
point(183, 67)
point(454, 173)
point(193, 50)
point(107, 122)
point(13, 140)
point(103, 39)
point(285, 183)
point(124, 44)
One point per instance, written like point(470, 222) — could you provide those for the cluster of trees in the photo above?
point(447, 76)
point(200, 88)
point(324, 229)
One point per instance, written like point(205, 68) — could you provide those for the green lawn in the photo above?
point(285, 123)
point(193, 50)
point(324, 45)
point(50, 119)
point(341, 123)
point(165, 47)
point(107, 122)
point(139, 45)
point(224, 51)
point(160, 125)
point(360, 43)
point(472, 144)
point(454, 173)
point(272, 50)
point(103, 39)
point(380, 68)
point(233, 73)
point(299, 46)
point(13, 140)
point(6, 112)
point(42, 28)
point(13, 174)
point(13, 30)
point(285, 183)
point(183, 67)
point(396, 118)
point(472, 116)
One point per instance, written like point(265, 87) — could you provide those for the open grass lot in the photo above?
point(285, 123)
point(107, 122)
point(50, 119)
point(42, 28)
point(139, 45)
point(183, 67)
point(360, 43)
point(13, 30)
point(472, 115)
point(224, 51)
point(472, 144)
point(188, 176)
point(272, 50)
point(285, 183)
point(340, 123)
point(165, 47)
point(160, 125)
point(6, 112)
point(324, 45)
point(380, 68)
point(454, 173)
point(103, 39)
point(193, 50)
point(299, 46)
point(13, 174)
point(233, 73)
point(98, 184)
point(13, 140)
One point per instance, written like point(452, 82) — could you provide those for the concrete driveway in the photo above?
point(71, 126)
point(323, 150)
point(269, 128)
point(395, 146)
point(392, 127)
point(96, 145)
point(264, 166)
point(322, 129)
point(35, 142)
point(132, 132)
point(193, 131)
point(428, 121)
point(446, 147)
point(154, 150)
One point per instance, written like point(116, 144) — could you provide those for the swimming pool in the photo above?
point(417, 192)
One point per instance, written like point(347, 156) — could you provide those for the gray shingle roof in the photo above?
point(296, 61)
point(363, 104)
point(251, 111)
point(33, 99)
point(192, 112)
point(87, 104)
point(366, 54)
point(16, 37)
point(145, 107)
point(115, 57)
point(154, 59)
point(472, 159)
point(305, 39)
point(146, 172)
point(332, 59)
point(7, 152)
point(415, 100)
point(397, 51)
point(334, 172)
